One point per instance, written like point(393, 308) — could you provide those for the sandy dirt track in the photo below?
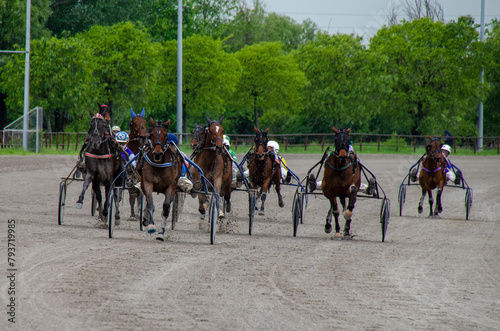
point(429, 274)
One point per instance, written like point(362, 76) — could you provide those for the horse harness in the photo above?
point(343, 144)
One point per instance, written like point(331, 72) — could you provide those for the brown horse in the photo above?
point(198, 138)
point(103, 164)
point(160, 173)
point(342, 177)
point(105, 111)
point(432, 175)
point(215, 164)
point(263, 169)
point(137, 139)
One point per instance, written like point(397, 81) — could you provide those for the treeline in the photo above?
point(253, 67)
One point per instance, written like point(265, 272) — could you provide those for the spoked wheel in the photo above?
point(384, 217)
point(93, 204)
point(252, 200)
point(468, 202)
point(296, 214)
point(62, 202)
point(111, 203)
point(141, 212)
point(401, 198)
point(213, 214)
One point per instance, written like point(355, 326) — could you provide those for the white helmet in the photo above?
point(225, 142)
point(274, 145)
point(446, 148)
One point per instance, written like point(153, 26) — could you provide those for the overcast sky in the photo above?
point(365, 17)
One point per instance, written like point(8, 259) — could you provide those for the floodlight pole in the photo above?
point(27, 76)
point(179, 70)
point(481, 79)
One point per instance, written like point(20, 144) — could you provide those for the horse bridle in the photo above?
point(213, 141)
point(102, 137)
point(431, 153)
point(138, 137)
point(343, 144)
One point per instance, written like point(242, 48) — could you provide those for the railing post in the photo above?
point(323, 143)
point(45, 138)
point(69, 140)
point(76, 142)
point(378, 143)
point(360, 143)
point(414, 144)
point(305, 145)
point(57, 141)
point(475, 140)
point(498, 145)
point(236, 143)
point(287, 140)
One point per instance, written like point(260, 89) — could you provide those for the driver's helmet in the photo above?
point(115, 129)
point(225, 142)
point(122, 137)
point(446, 148)
point(172, 138)
point(274, 145)
point(226, 137)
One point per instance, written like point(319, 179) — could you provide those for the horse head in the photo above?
point(215, 133)
point(342, 141)
point(199, 136)
point(433, 149)
point(261, 141)
point(105, 111)
point(158, 137)
point(138, 127)
point(98, 132)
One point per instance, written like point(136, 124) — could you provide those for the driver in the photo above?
point(274, 148)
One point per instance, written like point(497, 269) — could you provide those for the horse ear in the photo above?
point(132, 113)
point(255, 129)
point(348, 130)
point(220, 119)
point(267, 130)
point(208, 121)
point(152, 122)
point(98, 105)
point(167, 123)
point(439, 136)
point(335, 130)
point(91, 113)
point(143, 112)
point(428, 136)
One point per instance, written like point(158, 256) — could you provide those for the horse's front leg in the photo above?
point(431, 203)
point(277, 183)
point(439, 207)
point(169, 197)
point(421, 203)
point(148, 192)
point(131, 201)
point(263, 196)
point(353, 190)
point(89, 177)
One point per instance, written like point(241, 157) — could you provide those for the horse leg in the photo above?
point(335, 212)
point(88, 179)
point(277, 183)
point(439, 207)
point(228, 202)
point(202, 208)
point(431, 202)
point(263, 197)
point(131, 200)
point(421, 203)
point(169, 197)
point(148, 192)
point(264, 190)
point(117, 205)
point(98, 198)
point(348, 212)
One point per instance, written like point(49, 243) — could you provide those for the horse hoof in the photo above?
point(160, 237)
point(261, 212)
point(201, 224)
point(221, 214)
point(281, 204)
point(151, 228)
point(132, 219)
point(347, 214)
point(117, 221)
point(337, 236)
point(420, 210)
point(79, 205)
point(347, 237)
point(328, 228)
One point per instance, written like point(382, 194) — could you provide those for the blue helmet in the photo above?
point(122, 137)
point(172, 138)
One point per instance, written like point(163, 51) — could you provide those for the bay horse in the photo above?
point(214, 162)
point(160, 173)
point(341, 178)
point(264, 169)
point(432, 175)
point(198, 138)
point(103, 164)
point(105, 111)
point(137, 139)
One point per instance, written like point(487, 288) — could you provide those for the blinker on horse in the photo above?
point(342, 178)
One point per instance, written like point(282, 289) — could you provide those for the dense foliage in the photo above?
point(255, 68)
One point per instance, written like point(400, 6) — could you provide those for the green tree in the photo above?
point(60, 77)
point(126, 67)
point(269, 85)
point(342, 79)
point(435, 68)
point(491, 119)
point(209, 76)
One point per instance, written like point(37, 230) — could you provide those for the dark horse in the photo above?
point(198, 138)
point(341, 178)
point(137, 138)
point(263, 169)
point(432, 175)
point(103, 164)
point(160, 173)
point(214, 162)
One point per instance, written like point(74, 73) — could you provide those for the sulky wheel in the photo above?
point(111, 203)
point(401, 198)
point(62, 201)
point(141, 212)
point(252, 200)
point(468, 202)
point(384, 217)
point(296, 214)
point(213, 214)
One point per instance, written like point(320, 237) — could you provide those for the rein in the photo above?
point(95, 156)
point(158, 165)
